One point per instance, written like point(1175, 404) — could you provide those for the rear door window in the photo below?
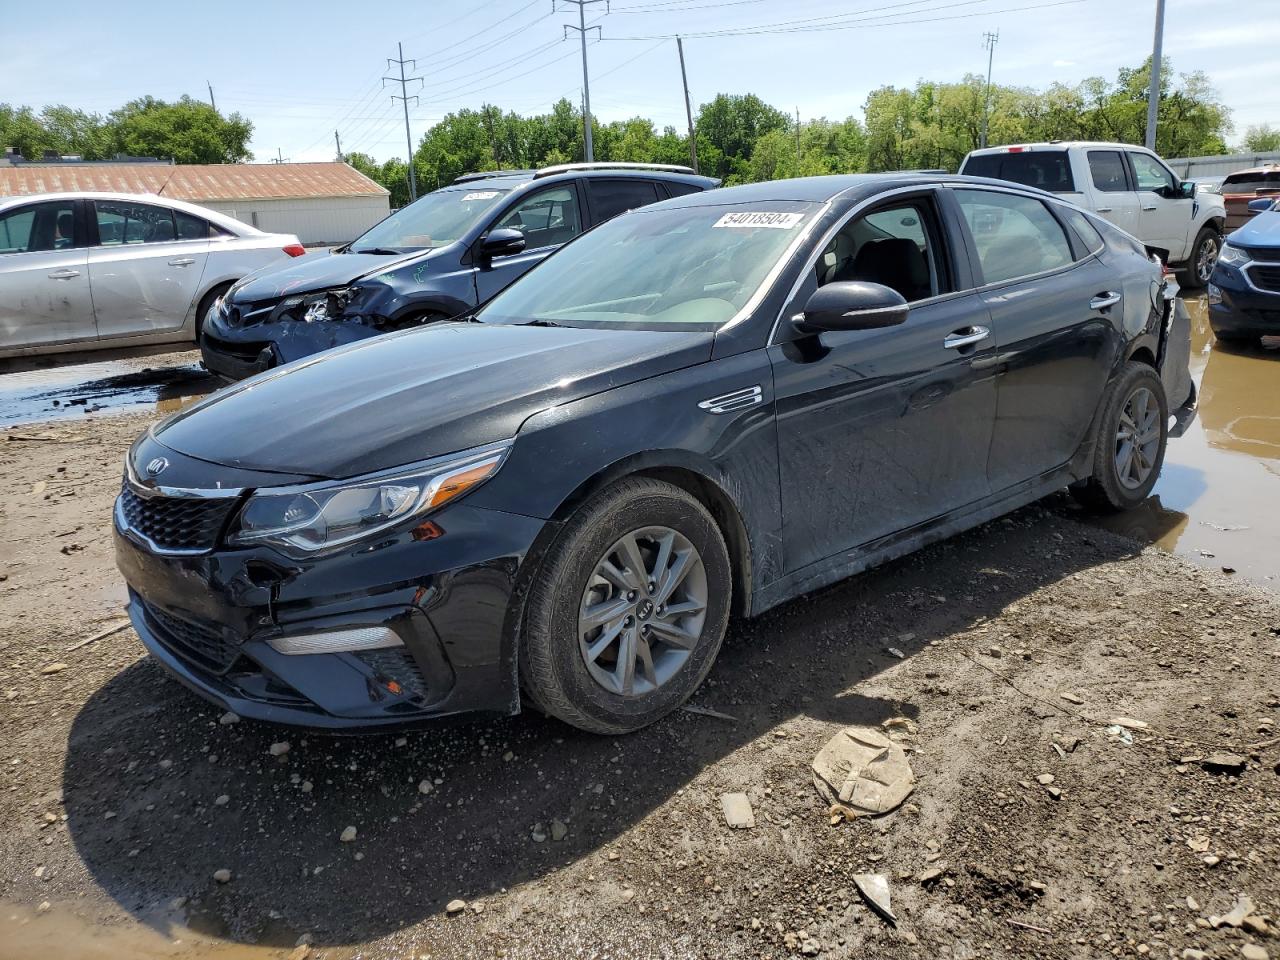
point(1106, 167)
point(121, 223)
point(1044, 169)
point(678, 188)
point(1015, 236)
point(612, 197)
point(190, 227)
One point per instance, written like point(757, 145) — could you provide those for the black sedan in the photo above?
point(702, 408)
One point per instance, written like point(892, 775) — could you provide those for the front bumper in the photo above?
point(206, 619)
point(1242, 308)
point(235, 352)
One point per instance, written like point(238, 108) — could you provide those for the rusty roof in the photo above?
point(198, 183)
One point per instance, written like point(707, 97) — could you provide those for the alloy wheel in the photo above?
point(1206, 259)
point(1137, 438)
point(643, 610)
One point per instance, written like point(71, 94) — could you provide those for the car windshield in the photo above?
point(690, 268)
point(435, 220)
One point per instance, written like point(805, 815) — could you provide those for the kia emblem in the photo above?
point(157, 466)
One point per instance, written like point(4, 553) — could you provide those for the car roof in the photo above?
point(511, 179)
point(238, 227)
point(853, 186)
point(1058, 145)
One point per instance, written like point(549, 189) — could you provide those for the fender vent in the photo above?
point(737, 400)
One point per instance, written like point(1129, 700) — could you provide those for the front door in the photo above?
point(1164, 215)
point(547, 218)
point(880, 430)
point(1052, 316)
point(144, 275)
point(44, 276)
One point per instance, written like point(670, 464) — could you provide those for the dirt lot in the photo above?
point(123, 794)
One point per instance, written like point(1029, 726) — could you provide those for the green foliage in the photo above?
point(186, 130)
point(728, 129)
point(1263, 138)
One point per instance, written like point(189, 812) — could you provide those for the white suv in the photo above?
point(1130, 186)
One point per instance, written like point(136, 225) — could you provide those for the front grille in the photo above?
point(397, 665)
point(199, 645)
point(175, 523)
point(1265, 278)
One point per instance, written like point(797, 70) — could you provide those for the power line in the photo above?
point(582, 29)
point(404, 98)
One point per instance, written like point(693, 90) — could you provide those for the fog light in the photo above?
point(337, 641)
point(1215, 294)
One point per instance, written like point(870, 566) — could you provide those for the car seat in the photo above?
point(895, 262)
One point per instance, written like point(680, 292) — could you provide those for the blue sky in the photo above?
point(300, 70)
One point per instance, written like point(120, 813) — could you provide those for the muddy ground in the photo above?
point(122, 794)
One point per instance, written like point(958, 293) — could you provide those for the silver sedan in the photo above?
point(89, 271)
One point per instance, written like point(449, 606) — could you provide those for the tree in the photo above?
point(728, 129)
point(187, 130)
point(1262, 138)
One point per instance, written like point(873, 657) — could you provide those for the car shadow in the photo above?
point(160, 795)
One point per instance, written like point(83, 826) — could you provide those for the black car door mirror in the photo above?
point(852, 305)
point(501, 242)
point(1187, 189)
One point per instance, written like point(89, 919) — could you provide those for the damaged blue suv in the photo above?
point(439, 257)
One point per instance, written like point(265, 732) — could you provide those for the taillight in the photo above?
point(295, 249)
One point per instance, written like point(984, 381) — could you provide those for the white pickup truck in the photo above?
point(1130, 186)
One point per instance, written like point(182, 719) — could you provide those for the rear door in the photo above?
point(1164, 215)
point(1115, 198)
point(144, 274)
point(609, 197)
point(880, 430)
point(1055, 310)
point(548, 218)
point(44, 276)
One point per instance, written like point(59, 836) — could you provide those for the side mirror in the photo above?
point(1261, 205)
point(1188, 189)
point(852, 305)
point(501, 243)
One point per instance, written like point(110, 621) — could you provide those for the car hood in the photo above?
point(315, 271)
point(1262, 231)
point(409, 396)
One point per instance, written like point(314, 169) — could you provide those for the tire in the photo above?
point(206, 302)
point(1110, 488)
point(1204, 254)
point(569, 668)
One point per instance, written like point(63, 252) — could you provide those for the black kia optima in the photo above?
point(704, 407)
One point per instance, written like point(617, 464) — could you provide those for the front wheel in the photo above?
point(1129, 447)
point(628, 609)
point(1204, 257)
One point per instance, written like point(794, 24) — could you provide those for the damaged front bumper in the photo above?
point(239, 341)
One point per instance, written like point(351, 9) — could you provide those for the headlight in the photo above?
point(323, 305)
point(1232, 254)
point(318, 517)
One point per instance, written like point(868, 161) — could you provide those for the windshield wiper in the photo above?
point(541, 323)
point(382, 251)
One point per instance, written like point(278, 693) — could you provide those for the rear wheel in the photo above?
point(628, 609)
point(206, 304)
point(1204, 256)
point(1130, 444)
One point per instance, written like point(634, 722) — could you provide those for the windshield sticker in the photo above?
point(480, 195)
point(774, 221)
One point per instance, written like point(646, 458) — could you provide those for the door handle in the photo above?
point(64, 274)
point(1104, 300)
point(182, 261)
point(1104, 209)
point(1152, 207)
point(965, 337)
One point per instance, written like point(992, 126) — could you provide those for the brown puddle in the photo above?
point(26, 933)
point(163, 384)
point(1218, 498)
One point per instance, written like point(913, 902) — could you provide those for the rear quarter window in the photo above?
point(677, 188)
point(1045, 169)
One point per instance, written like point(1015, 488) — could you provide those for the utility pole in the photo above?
point(582, 29)
point(989, 40)
point(211, 103)
point(688, 110)
point(1153, 95)
point(797, 136)
point(338, 143)
point(279, 158)
point(405, 98)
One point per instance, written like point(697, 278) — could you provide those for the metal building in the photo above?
point(319, 202)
